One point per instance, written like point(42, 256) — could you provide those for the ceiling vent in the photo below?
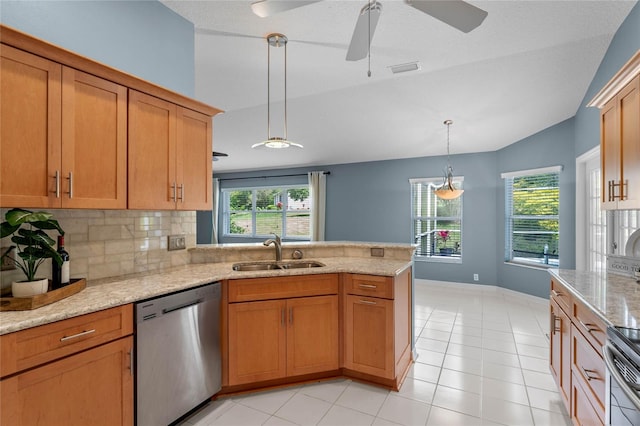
point(410, 66)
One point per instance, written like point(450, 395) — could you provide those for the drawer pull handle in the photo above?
point(556, 293)
point(70, 179)
point(75, 336)
point(368, 302)
point(57, 186)
point(589, 327)
point(291, 316)
point(282, 317)
point(368, 286)
point(587, 374)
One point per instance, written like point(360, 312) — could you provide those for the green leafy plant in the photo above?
point(32, 243)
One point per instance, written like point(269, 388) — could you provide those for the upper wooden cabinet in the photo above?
point(64, 140)
point(169, 155)
point(619, 103)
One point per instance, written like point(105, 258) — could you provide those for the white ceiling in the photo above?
point(527, 67)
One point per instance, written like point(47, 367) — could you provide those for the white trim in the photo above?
point(627, 73)
point(540, 171)
point(581, 205)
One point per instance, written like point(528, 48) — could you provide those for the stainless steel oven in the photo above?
point(622, 358)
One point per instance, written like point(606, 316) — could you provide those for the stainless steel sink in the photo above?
point(255, 266)
point(269, 266)
point(302, 264)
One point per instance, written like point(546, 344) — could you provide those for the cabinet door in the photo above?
point(94, 142)
point(312, 335)
point(151, 153)
point(193, 161)
point(629, 106)
point(368, 338)
point(257, 341)
point(30, 113)
point(560, 351)
point(94, 387)
point(609, 153)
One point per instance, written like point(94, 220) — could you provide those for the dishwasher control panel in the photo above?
point(162, 305)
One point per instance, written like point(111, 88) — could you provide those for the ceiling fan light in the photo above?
point(400, 68)
point(276, 143)
point(446, 193)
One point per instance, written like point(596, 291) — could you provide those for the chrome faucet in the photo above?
point(277, 244)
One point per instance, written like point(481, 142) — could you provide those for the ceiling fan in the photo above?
point(215, 155)
point(456, 13)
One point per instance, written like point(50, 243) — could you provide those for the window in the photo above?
point(259, 212)
point(532, 202)
point(437, 223)
point(596, 219)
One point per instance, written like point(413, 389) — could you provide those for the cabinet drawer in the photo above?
point(582, 409)
point(370, 285)
point(590, 325)
point(562, 296)
point(251, 289)
point(35, 346)
point(588, 366)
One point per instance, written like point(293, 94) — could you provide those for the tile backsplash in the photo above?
point(109, 243)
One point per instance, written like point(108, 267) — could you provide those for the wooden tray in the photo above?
point(28, 303)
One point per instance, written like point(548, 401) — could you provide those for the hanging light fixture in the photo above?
point(276, 40)
point(447, 191)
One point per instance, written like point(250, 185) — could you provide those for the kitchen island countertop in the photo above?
point(111, 292)
point(614, 298)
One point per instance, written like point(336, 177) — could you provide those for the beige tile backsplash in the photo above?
point(109, 243)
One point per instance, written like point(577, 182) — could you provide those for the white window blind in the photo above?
point(437, 223)
point(532, 204)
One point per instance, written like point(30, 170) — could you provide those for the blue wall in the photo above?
point(143, 38)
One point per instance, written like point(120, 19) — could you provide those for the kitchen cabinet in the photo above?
point(377, 327)
point(282, 327)
point(63, 136)
point(75, 371)
point(619, 103)
point(169, 155)
point(576, 363)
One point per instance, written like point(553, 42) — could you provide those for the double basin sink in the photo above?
point(269, 266)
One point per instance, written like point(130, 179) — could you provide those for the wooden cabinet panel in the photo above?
point(588, 366)
point(560, 349)
point(609, 151)
point(562, 296)
point(152, 152)
point(582, 411)
point(257, 341)
point(93, 387)
point(312, 335)
point(94, 142)
point(370, 285)
point(38, 345)
point(30, 130)
point(251, 289)
point(193, 165)
point(368, 336)
point(629, 104)
point(592, 327)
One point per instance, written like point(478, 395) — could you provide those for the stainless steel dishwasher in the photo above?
point(178, 362)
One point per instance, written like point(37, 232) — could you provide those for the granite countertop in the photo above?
point(108, 293)
point(615, 298)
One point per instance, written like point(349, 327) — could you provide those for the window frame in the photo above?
point(508, 217)
point(433, 183)
point(226, 212)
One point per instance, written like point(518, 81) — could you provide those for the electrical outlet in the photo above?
point(177, 242)
point(476, 277)
point(377, 251)
point(7, 264)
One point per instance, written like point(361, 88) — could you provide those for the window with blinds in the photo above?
point(532, 203)
point(261, 211)
point(437, 223)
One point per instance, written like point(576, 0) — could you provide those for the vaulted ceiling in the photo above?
point(527, 67)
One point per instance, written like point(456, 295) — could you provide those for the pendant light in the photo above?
point(447, 191)
point(276, 40)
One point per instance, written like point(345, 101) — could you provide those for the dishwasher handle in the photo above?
point(182, 306)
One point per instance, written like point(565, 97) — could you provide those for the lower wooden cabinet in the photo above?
point(279, 338)
point(583, 413)
point(72, 372)
point(94, 387)
point(560, 351)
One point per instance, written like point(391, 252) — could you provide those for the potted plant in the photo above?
point(444, 237)
point(33, 246)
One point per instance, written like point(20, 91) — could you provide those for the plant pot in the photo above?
point(29, 288)
point(446, 251)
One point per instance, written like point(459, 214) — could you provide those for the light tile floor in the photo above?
point(482, 361)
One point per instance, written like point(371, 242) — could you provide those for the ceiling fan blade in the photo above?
point(264, 8)
point(457, 13)
point(215, 155)
point(361, 39)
